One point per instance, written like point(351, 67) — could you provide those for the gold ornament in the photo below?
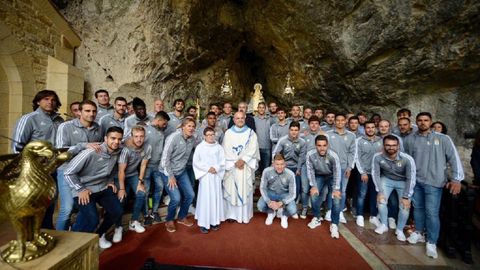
point(26, 190)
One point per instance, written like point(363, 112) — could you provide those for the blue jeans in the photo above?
point(343, 189)
point(265, 159)
point(87, 219)
point(289, 210)
point(322, 181)
point(305, 187)
point(66, 202)
point(426, 208)
point(364, 189)
point(131, 184)
point(388, 186)
point(184, 188)
point(191, 176)
point(298, 182)
point(153, 175)
point(393, 205)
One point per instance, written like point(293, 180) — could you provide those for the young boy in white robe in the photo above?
point(209, 168)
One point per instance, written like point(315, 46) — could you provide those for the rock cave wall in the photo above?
point(349, 55)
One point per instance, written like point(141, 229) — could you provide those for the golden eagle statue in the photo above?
point(26, 190)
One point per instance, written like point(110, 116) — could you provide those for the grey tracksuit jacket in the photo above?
point(263, 131)
point(108, 121)
point(277, 131)
point(294, 151)
point(156, 139)
point(344, 146)
point(176, 153)
point(133, 157)
point(278, 184)
point(91, 170)
point(73, 135)
point(37, 125)
point(132, 121)
point(431, 154)
point(402, 168)
point(323, 166)
point(365, 149)
point(102, 111)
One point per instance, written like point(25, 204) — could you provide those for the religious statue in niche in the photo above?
point(26, 190)
point(256, 98)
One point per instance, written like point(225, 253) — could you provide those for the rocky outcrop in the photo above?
point(345, 55)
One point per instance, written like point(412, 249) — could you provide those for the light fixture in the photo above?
point(226, 89)
point(288, 91)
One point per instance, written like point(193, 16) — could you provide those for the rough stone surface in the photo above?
point(345, 55)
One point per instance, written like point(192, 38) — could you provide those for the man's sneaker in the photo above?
point(270, 218)
point(400, 235)
point(136, 226)
point(303, 215)
point(203, 230)
point(416, 237)
point(381, 229)
point(185, 221)
point(215, 227)
point(148, 220)
point(280, 213)
point(156, 218)
point(118, 234)
point(342, 218)
point(170, 226)
point(294, 216)
point(104, 243)
point(391, 223)
point(284, 222)
point(314, 223)
point(191, 209)
point(374, 220)
point(166, 200)
point(334, 231)
point(328, 215)
point(360, 222)
point(432, 250)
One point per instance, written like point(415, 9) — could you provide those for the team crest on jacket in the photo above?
point(436, 142)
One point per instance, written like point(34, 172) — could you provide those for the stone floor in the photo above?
point(381, 251)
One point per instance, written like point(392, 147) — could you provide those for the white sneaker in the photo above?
point(381, 229)
point(400, 235)
point(104, 243)
point(360, 221)
point(334, 231)
point(374, 221)
point(342, 218)
point(314, 223)
point(391, 223)
point(416, 237)
point(284, 222)
point(328, 215)
point(118, 234)
point(432, 250)
point(191, 209)
point(136, 226)
point(166, 200)
point(280, 213)
point(294, 216)
point(270, 218)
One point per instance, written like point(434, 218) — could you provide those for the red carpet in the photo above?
point(248, 246)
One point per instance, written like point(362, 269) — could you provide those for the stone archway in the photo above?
point(17, 86)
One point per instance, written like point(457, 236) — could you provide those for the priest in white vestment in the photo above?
point(209, 168)
point(241, 156)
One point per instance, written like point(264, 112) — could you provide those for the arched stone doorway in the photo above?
point(16, 84)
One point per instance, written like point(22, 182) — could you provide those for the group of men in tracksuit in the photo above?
point(319, 154)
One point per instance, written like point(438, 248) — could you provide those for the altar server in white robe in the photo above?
point(241, 156)
point(209, 168)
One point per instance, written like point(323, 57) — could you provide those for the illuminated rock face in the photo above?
point(344, 55)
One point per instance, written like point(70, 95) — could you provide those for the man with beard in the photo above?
point(115, 119)
point(139, 118)
point(103, 103)
point(432, 152)
point(329, 121)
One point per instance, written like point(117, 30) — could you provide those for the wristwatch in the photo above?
point(140, 180)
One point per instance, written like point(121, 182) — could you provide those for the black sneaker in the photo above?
point(148, 220)
point(156, 218)
point(215, 227)
point(203, 230)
